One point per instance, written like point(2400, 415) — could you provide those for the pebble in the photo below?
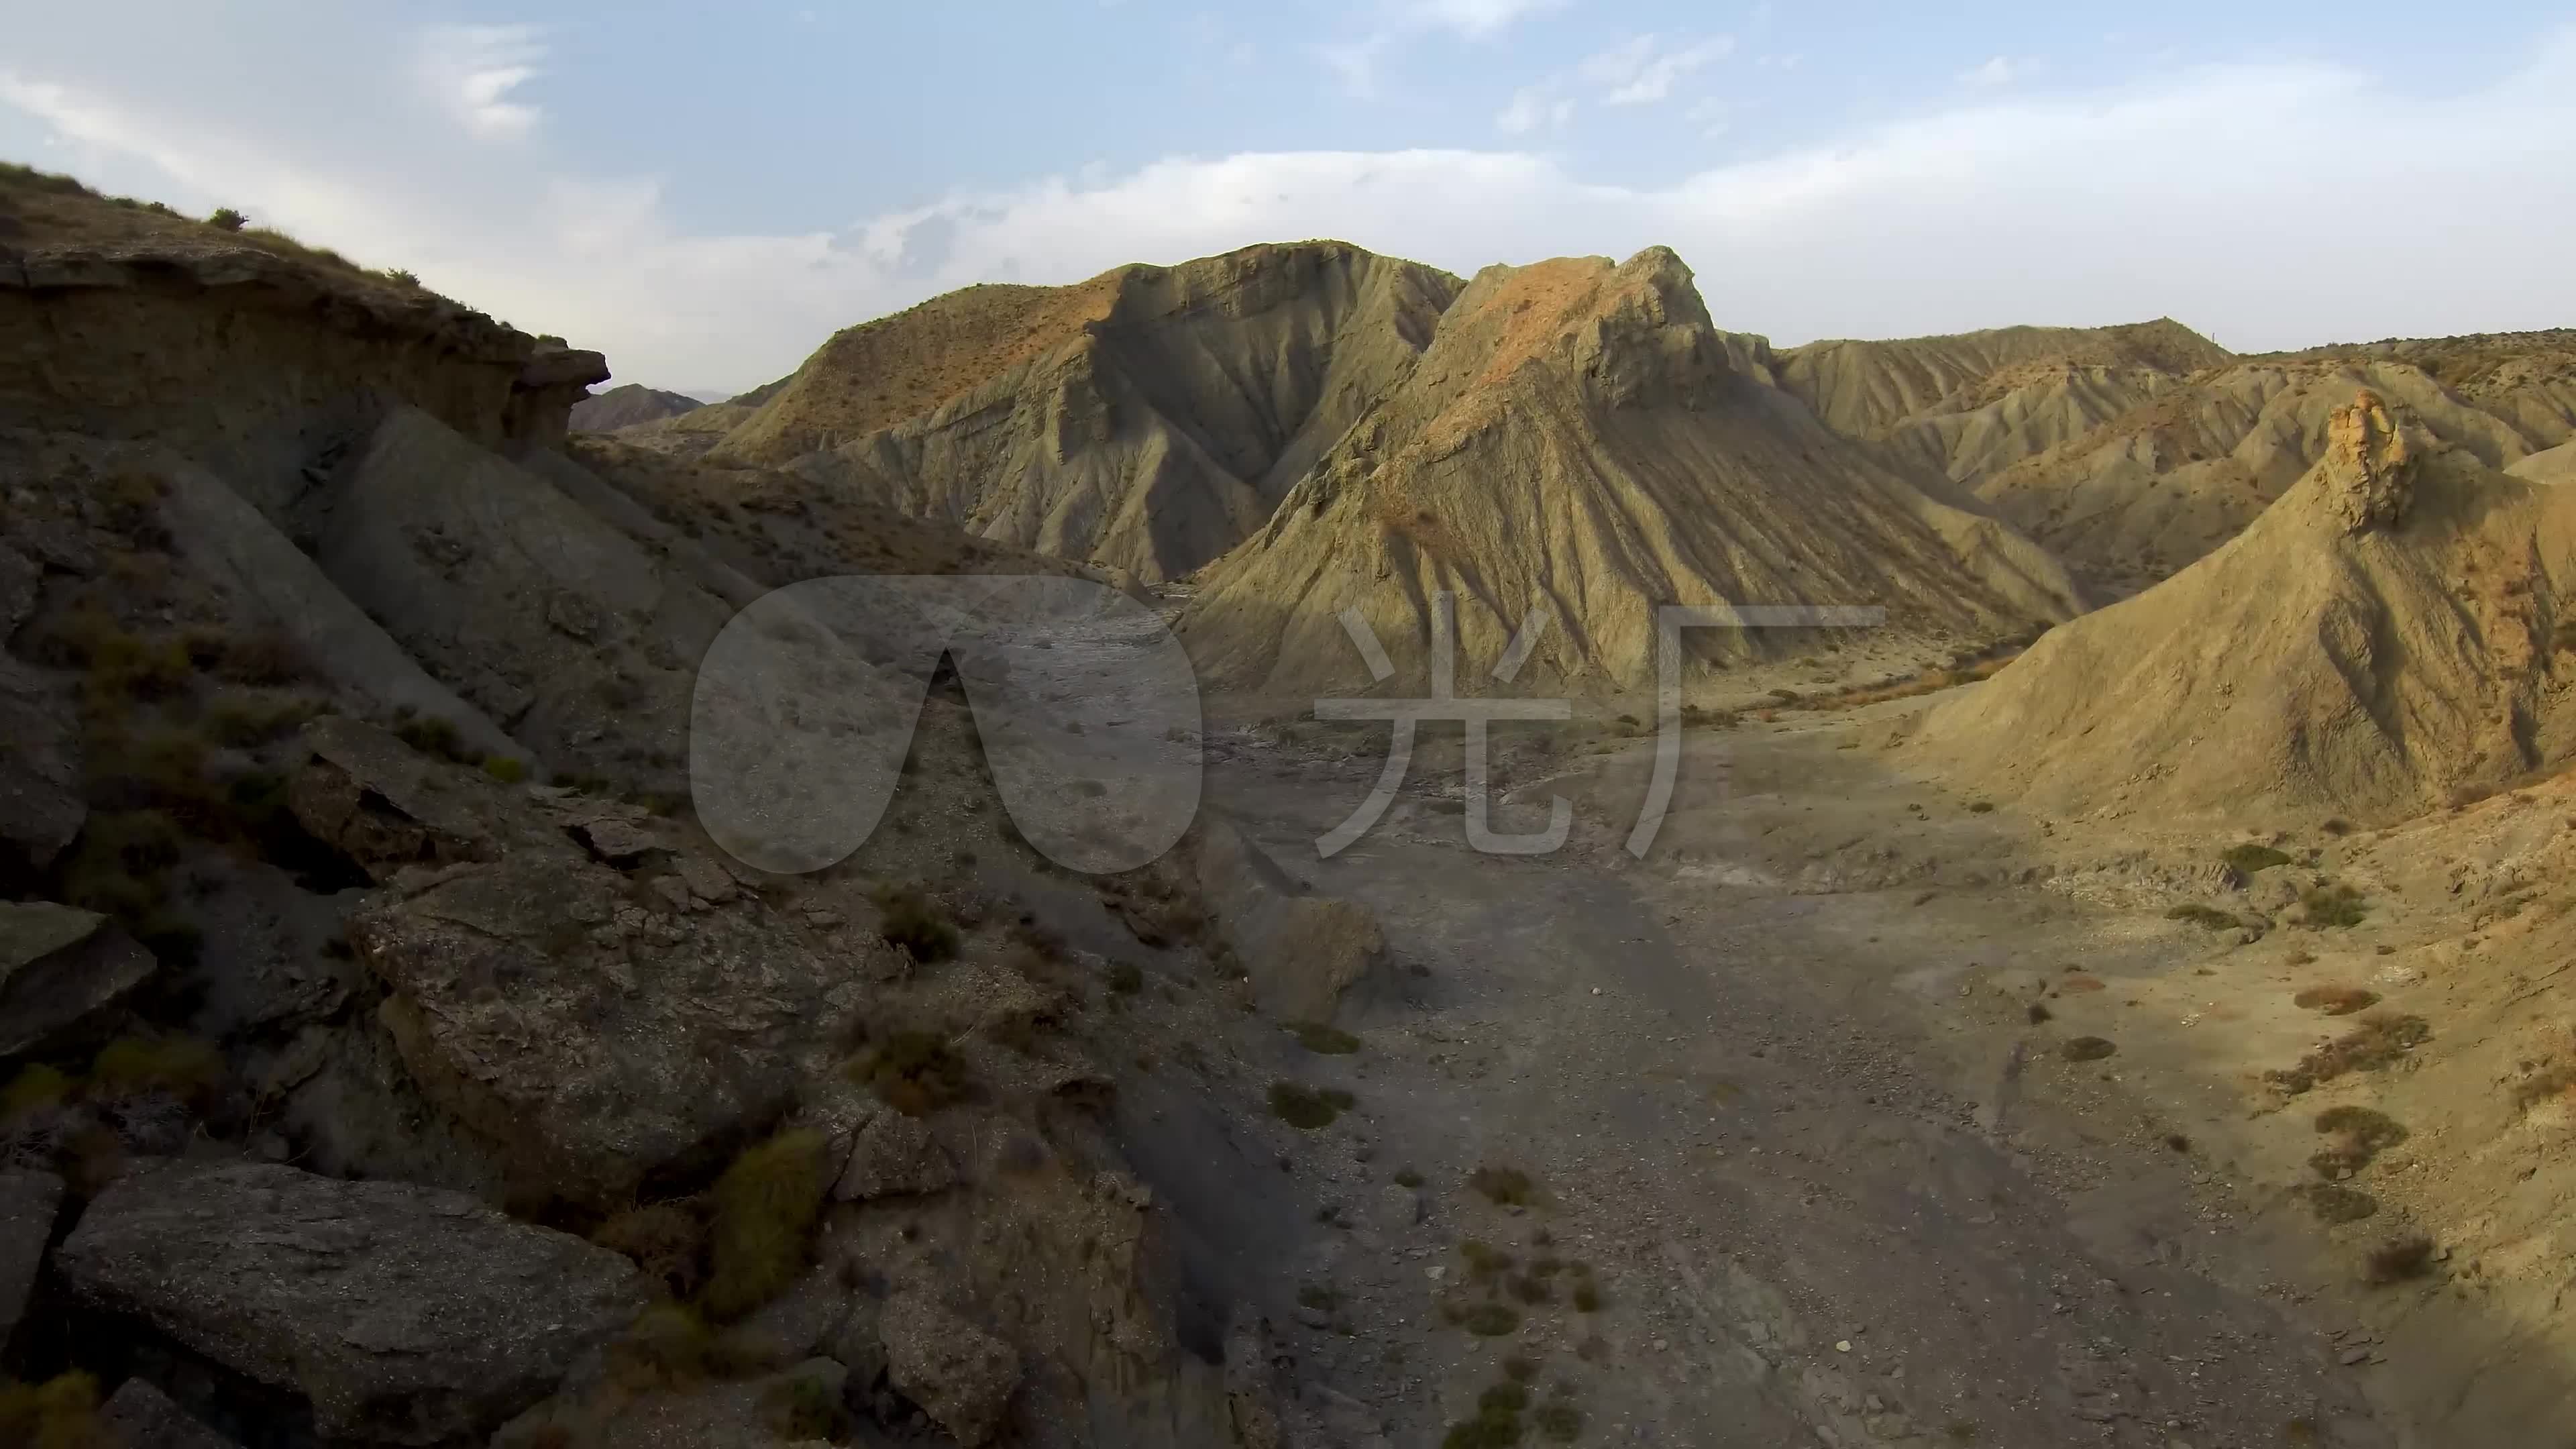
point(1842, 1345)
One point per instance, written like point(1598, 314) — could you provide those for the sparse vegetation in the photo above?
point(2381, 1038)
point(1308, 1108)
point(766, 1206)
point(224, 218)
point(2250, 858)
point(505, 769)
point(1503, 1186)
point(2039, 1013)
point(60, 1413)
point(1981, 807)
point(1407, 1177)
point(2334, 1203)
point(2398, 1259)
point(916, 1072)
point(1324, 1039)
point(2331, 905)
point(1559, 1420)
point(1126, 978)
point(2544, 1084)
point(2206, 917)
point(2336, 1000)
point(182, 1067)
point(911, 920)
point(1491, 1320)
point(667, 1240)
point(2087, 1048)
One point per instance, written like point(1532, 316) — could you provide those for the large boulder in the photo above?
point(59, 966)
point(1301, 950)
point(40, 772)
point(588, 993)
point(407, 1315)
point(894, 1153)
point(960, 1375)
point(28, 1201)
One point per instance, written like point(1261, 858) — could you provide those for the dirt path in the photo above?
point(1800, 1227)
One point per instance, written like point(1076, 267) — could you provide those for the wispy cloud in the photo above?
point(1644, 70)
point(473, 69)
point(1997, 71)
point(1476, 17)
point(1533, 107)
point(1987, 195)
point(1354, 62)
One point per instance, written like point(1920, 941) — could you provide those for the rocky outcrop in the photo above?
point(140, 1416)
point(556, 624)
point(2367, 472)
point(59, 966)
point(407, 1315)
point(894, 1153)
point(628, 406)
point(41, 809)
point(593, 998)
point(244, 355)
point(1301, 950)
point(961, 1375)
point(28, 1201)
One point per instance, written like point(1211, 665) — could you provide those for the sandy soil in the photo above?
point(1782, 1098)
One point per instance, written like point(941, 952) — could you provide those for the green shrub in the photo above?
point(666, 1239)
point(1559, 1421)
point(1126, 978)
point(2398, 1259)
point(60, 1413)
point(1323, 1039)
point(916, 1072)
point(1307, 1108)
point(227, 219)
point(766, 1206)
point(1491, 1320)
point(182, 1066)
point(914, 922)
point(2250, 858)
point(35, 1087)
point(1504, 1186)
point(1507, 1397)
point(505, 769)
point(241, 718)
point(2332, 905)
point(430, 734)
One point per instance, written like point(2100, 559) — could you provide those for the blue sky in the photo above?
point(705, 192)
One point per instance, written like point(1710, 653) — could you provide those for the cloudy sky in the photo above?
point(704, 192)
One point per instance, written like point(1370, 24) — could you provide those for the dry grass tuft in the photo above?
point(766, 1205)
point(2398, 1259)
point(2336, 1000)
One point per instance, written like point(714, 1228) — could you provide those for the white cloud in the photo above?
point(1996, 72)
point(1533, 107)
point(1643, 71)
point(473, 69)
point(1477, 17)
point(2109, 205)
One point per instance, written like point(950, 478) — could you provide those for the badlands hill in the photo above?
point(390, 1055)
point(1149, 418)
point(627, 406)
point(2392, 631)
point(1580, 440)
point(1969, 404)
point(2130, 451)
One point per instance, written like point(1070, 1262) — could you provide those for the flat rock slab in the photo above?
point(406, 1314)
point(58, 964)
point(140, 1416)
point(28, 1201)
